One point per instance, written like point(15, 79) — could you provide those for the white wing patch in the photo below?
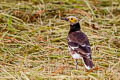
point(84, 45)
point(74, 47)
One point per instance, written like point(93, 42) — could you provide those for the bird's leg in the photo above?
point(76, 64)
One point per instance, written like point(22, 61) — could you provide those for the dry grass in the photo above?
point(33, 39)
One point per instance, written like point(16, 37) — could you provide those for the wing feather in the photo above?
point(80, 40)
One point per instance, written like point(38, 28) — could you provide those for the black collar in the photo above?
point(75, 27)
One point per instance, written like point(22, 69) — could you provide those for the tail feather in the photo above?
point(88, 63)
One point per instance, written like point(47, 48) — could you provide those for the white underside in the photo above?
point(76, 56)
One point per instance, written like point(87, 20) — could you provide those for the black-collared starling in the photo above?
point(78, 43)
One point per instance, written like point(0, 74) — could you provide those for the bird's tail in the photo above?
point(88, 63)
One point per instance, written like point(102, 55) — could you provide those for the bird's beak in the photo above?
point(66, 19)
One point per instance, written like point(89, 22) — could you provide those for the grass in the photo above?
point(33, 42)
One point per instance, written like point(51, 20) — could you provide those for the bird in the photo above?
point(78, 43)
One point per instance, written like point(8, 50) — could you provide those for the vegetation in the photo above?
point(33, 39)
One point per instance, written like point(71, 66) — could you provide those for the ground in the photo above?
point(33, 42)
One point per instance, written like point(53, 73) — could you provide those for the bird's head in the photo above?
point(73, 20)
